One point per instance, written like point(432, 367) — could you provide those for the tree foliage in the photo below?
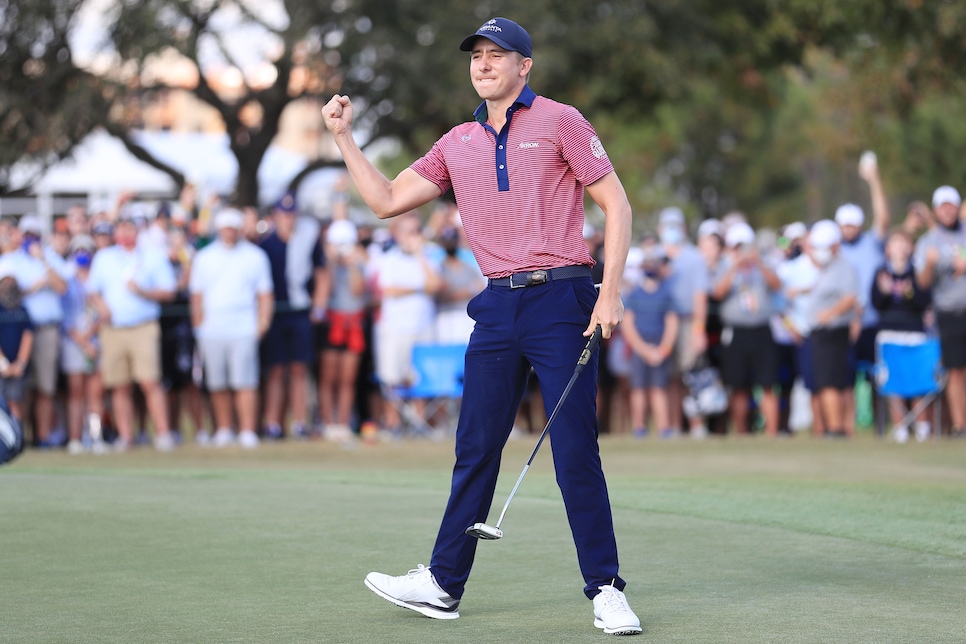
point(715, 104)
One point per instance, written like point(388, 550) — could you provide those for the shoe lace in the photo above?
point(613, 599)
point(418, 570)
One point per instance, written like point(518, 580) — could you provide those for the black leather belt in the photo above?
point(542, 276)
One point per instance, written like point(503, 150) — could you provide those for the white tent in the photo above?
point(101, 167)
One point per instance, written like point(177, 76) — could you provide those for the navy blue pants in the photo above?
point(541, 326)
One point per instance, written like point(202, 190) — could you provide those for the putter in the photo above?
point(492, 532)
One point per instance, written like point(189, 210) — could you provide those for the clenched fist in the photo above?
point(337, 115)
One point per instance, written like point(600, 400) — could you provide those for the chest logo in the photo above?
point(467, 138)
point(529, 146)
point(597, 148)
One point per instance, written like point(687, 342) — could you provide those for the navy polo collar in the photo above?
point(525, 99)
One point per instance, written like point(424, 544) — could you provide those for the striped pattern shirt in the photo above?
point(520, 192)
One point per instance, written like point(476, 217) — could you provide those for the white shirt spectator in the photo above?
point(229, 281)
point(412, 313)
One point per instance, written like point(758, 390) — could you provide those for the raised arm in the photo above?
point(386, 198)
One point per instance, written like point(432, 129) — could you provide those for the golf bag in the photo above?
point(11, 435)
point(706, 392)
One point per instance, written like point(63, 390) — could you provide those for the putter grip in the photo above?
point(588, 351)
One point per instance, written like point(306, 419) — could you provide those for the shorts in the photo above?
point(685, 357)
point(343, 331)
point(830, 359)
point(12, 389)
point(230, 363)
point(952, 339)
point(618, 357)
point(646, 376)
point(177, 354)
point(45, 358)
point(73, 360)
point(394, 353)
point(290, 338)
point(131, 354)
point(750, 358)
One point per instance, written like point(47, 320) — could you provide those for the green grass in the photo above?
point(724, 541)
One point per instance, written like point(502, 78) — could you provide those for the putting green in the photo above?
point(724, 541)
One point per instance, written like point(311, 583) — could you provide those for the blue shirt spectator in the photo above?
point(111, 273)
point(44, 303)
point(650, 309)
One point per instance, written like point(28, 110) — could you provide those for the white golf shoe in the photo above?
point(613, 615)
point(417, 590)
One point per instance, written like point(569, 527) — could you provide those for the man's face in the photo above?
point(228, 235)
point(126, 234)
point(497, 74)
point(947, 214)
point(850, 232)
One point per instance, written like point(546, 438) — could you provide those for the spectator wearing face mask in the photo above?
point(830, 310)
point(461, 282)
point(689, 283)
point(745, 287)
point(80, 352)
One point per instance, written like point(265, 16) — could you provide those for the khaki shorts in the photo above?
point(45, 358)
point(131, 354)
point(684, 357)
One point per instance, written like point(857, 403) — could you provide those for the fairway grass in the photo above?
point(753, 540)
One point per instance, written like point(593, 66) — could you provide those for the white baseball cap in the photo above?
point(30, 224)
point(849, 215)
point(795, 230)
point(671, 215)
point(946, 194)
point(228, 218)
point(824, 234)
point(739, 233)
point(710, 227)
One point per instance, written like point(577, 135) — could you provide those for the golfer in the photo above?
point(519, 170)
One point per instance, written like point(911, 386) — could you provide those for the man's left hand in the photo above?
point(608, 313)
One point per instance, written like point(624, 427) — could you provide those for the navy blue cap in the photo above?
point(286, 203)
point(505, 33)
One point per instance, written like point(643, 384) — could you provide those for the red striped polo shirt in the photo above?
point(522, 206)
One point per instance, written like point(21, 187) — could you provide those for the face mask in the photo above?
point(82, 258)
point(794, 251)
point(652, 273)
point(672, 235)
point(822, 256)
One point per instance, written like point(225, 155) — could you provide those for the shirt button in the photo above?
point(501, 147)
point(501, 167)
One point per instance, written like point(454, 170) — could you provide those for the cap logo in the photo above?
point(597, 148)
point(490, 26)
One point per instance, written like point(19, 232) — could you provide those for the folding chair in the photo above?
point(908, 365)
point(431, 403)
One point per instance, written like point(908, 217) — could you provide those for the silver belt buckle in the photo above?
point(538, 277)
point(525, 284)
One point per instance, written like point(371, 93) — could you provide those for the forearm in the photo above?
point(880, 207)
point(26, 347)
point(266, 309)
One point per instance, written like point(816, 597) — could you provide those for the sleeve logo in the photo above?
point(597, 148)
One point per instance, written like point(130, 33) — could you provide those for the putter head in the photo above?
point(483, 531)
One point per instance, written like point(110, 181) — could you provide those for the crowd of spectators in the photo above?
point(765, 310)
point(164, 322)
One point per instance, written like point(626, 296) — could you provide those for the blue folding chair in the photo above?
point(432, 402)
point(909, 365)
